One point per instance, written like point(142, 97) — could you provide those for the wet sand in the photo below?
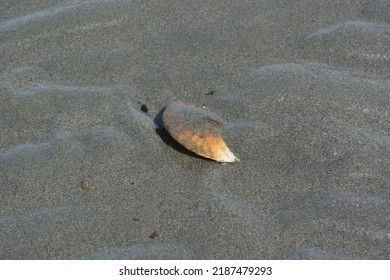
point(304, 89)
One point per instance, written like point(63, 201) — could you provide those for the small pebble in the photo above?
point(86, 184)
point(144, 108)
point(153, 235)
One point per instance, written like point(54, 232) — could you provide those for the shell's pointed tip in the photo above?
point(228, 157)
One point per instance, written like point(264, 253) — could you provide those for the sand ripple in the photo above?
point(354, 44)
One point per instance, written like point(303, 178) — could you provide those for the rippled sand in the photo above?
point(304, 88)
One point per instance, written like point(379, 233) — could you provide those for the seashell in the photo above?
point(198, 130)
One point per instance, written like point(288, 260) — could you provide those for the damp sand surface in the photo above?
point(303, 87)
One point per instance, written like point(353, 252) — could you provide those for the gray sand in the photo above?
point(304, 87)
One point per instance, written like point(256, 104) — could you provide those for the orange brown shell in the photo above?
point(198, 130)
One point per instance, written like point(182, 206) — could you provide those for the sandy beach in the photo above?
point(303, 87)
